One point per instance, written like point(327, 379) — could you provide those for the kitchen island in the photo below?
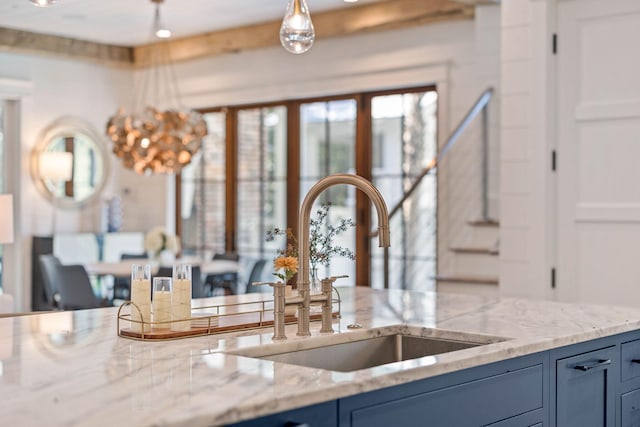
point(71, 368)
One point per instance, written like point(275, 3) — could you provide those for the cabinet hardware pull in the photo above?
point(588, 366)
point(290, 424)
point(635, 360)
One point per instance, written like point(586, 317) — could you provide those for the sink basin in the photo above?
point(365, 349)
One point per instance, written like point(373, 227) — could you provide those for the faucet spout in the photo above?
point(304, 220)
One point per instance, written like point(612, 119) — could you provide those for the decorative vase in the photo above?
point(315, 284)
point(166, 258)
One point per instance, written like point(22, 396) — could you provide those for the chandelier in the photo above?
point(157, 140)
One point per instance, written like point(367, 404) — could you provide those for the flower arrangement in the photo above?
point(286, 263)
point(321, 246)
point(158, 239)
point(321, 235)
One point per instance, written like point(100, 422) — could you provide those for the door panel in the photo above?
point(598, 150)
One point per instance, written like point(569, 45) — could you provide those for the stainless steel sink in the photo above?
point(362, 351)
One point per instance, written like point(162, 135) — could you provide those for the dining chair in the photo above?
point(69, 285)
point(226, 282)
point(122, 284)
point(197, 285)
point(48, 268)
point(256, 276)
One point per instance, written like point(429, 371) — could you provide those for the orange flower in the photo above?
point(289, 263)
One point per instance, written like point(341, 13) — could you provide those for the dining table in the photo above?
point(123, 268)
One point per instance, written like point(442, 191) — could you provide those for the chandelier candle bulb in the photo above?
point(161, 303)
point(181, 298)
point(141, 296)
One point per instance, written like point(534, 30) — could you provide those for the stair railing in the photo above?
point(480, 106)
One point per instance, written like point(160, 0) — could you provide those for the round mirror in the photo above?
point(70, 164)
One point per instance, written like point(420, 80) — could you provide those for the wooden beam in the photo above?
point(379, 16)
point(479, 2)
point(27, 42)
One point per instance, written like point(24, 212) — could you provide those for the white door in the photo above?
point(599, 151)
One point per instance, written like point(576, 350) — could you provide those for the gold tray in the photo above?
point(213, 319)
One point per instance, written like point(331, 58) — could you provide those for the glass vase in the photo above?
point(315, 284)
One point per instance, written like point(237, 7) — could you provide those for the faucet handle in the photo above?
point(334, 278)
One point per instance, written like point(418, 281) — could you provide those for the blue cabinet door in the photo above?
point(585, 394)
point(320, 415)
point(630, 404)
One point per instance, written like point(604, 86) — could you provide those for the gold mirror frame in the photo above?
point(91, 148)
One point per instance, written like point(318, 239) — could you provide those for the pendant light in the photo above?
point(297, 33)
point(154, 138)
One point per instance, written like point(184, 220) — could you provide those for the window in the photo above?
point(261, 179)
point(260, 160)
point(327, 146)
point(404, 132)
point(202, 193)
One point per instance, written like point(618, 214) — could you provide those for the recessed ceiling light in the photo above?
point(43, 3)
point(163, 33)
point(350, 1)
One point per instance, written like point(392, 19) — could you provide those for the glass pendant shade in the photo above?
point(297, 33)
point(43, 3)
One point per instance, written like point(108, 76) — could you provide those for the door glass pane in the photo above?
point(262, 176)
point(404, 142)
point(327, 146)
point(203, 193)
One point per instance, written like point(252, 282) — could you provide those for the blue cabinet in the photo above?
point(630, 383)
point(630, 409)
point(474, 397)
point(321, 415)
point(585, 385)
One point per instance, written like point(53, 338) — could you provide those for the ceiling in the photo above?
point(128, 22)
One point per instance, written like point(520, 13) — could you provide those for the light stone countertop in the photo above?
point(71, 368)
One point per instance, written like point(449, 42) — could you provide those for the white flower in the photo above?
point(158, 240)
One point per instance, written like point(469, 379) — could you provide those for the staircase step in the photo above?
point(472, 262)
point(483, 233)
point(471, 285)
point(484, 223)
point(481, 280)
point(475, 250)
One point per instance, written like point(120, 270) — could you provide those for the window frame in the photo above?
point(363, 167)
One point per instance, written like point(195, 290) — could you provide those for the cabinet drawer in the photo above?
point(473, 403)
point(630, 409)
point(630, 351)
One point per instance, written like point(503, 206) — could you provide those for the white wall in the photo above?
point(60, 87)
point(527, 137)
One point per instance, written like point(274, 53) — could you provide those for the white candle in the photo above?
point(141, 297)
point(162, 308)
point(181, 305)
